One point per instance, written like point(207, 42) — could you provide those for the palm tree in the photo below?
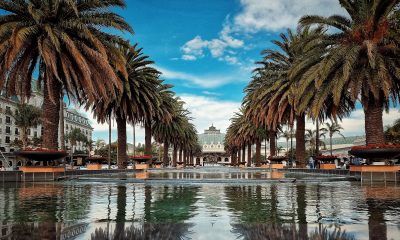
point(288, 135)
point(392, 133)
point(62, 41)
point(26, 116)
point(137, 101)
point(331, 129)
point(361, 60)
point(75, 136)
point(242, 132)
point(312, 138)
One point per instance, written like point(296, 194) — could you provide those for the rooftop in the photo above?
point(212, 135)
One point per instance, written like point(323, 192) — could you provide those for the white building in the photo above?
point(10, 132)
point(213, 152)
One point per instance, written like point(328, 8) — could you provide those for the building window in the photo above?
point(8, 120)
point(226, 159)
point(29, 132)
point(16, 131)
point(35, 134)
point(8, 130)
point(7, 139)
point(1, 120)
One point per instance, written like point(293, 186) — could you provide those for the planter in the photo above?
point(327, 166)
point(41, 155)
point(142, 166)
point(277, 159)
point(158, 164)
point(140, 159)
point(376, 154)
point(41, 169)
point(374, 168)
point(326, 158)
point(276, 166)
point(94, 166)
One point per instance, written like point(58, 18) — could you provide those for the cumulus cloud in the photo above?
point(354, 124)
point(194, 48)
point(272, 15)
point(204, 81)
point(208, 110)
point(205, 110)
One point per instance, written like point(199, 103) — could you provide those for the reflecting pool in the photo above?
point(171, 210)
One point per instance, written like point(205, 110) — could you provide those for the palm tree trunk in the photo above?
point(258, 153)
point(184, 158)
point(244, 153)
point(239, 156)
point(374, 122)
point(121, 128)
point(272, 143)
point(109, 142)
point(147, 139)
point(165, 154)
point(51, 114)
point(300, 141)
point(180, 155)
point(174, 156)
point(24, 138)
point(62, 134)
point(134, 140)
point(234, 158)
point(249, 155)
point(317, 138)
point(330, 142)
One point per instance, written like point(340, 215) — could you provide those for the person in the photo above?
point(2, 168)
point(311, 162)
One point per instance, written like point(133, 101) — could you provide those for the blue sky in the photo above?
point(207, 50)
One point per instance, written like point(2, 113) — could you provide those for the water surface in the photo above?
point(104, 210)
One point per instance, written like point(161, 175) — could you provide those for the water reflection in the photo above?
point(287, 231)
point(159, 174)
point(50, 231)
point(134, 211)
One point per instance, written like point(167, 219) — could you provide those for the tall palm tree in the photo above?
point(63, 41)
point(75, 136)
point(166, 131)
point(331, 129)
point(312, 138)
point(26, 116)
point(287, 135)
point(241, 132)
point(137, 100)
point(361, 60)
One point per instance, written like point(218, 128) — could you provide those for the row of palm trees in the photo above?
point(66, 43)
point(324, 68)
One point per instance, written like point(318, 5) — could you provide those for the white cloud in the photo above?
point(205, 110)
point(189, 57)
point(205, 81)
point(354, 125)
point(208, 110)
point(231, 60)
point(272, 15)
point(194, 48)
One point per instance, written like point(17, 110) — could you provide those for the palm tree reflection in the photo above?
point(286, 231)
